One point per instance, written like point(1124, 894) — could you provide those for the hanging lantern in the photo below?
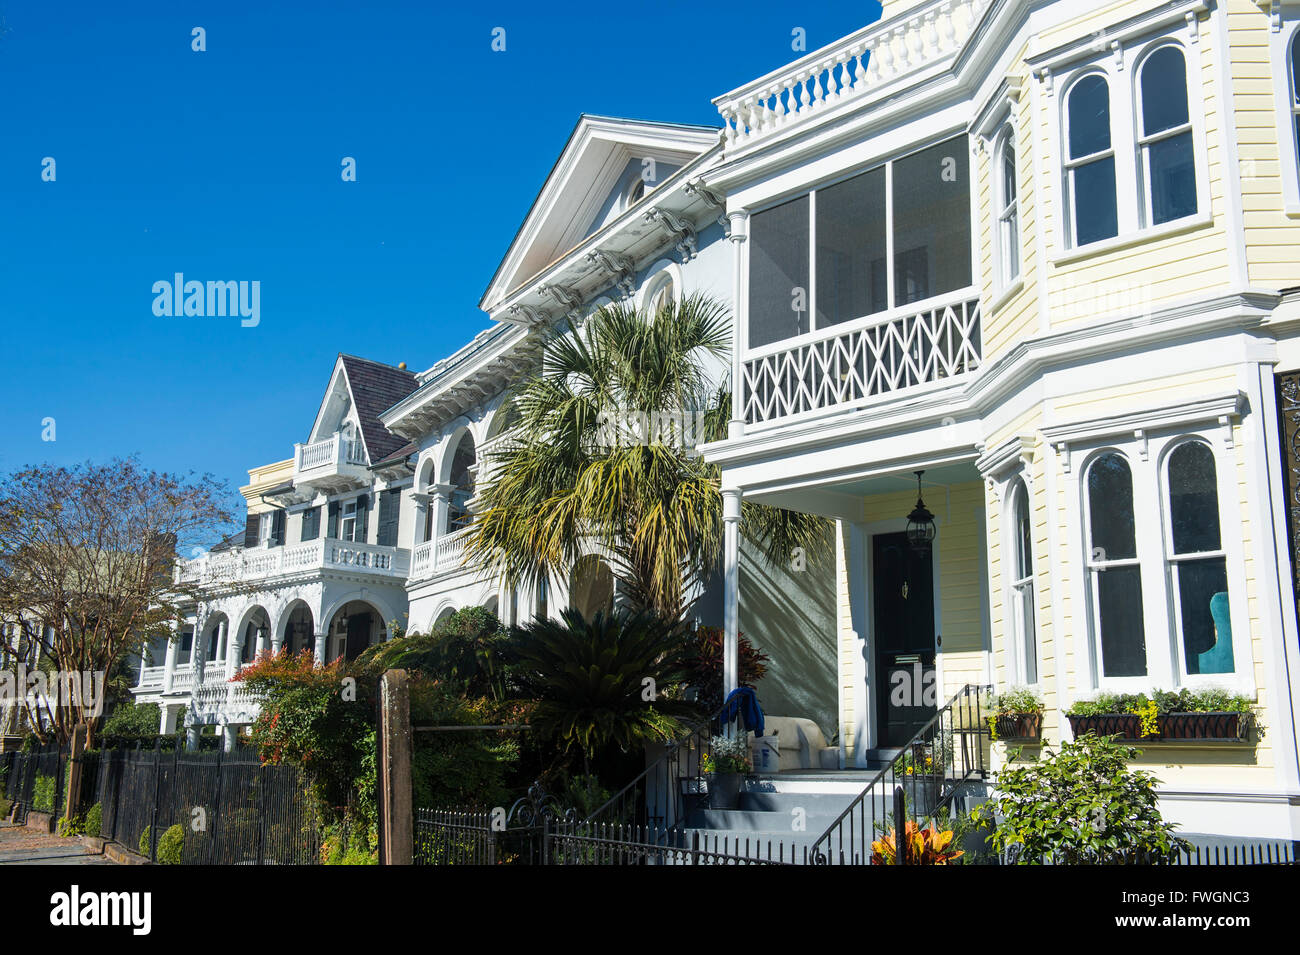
point(920, 523)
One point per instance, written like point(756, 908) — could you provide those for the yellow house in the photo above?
point(1039, 266)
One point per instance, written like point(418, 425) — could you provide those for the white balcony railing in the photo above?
point(332, 451)
point(848, 69)
point(260, 563)
point(151, 677)
point(852, 364)
point(422, 559)
point(439, 556)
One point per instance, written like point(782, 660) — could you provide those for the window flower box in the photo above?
point(1208, 727)
point(1019, 727)
point(1127, 726)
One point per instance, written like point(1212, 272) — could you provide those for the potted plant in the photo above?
point(920, 771)
point(725, 766)
point(928, 846)
point(1017, 715)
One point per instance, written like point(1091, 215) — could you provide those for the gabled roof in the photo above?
point(370, 387)
point(589, 167)
point(376, 387)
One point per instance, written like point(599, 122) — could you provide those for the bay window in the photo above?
point(1114, 570)
point(1090, 161)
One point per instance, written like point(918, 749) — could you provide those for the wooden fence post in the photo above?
point(73, 796)
point(397, 836)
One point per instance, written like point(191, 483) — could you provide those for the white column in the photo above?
point(235, 653)
point(223, 638)
point(167, 723)
point(441, 494)
point(198, 652)
point(322, 640)
point(739, 233)
point(169, 664)
point(261, 640)
point(228, 733)
point(277, 639)
point(731, 589)
point(421, 517)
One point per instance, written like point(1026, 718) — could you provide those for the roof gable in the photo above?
point(359, 390)
point(587, 188)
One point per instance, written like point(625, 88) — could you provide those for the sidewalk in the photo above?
point(19, 846)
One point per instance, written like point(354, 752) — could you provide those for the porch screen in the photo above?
point(778, 273)
point(932, 222)
point(851, 249)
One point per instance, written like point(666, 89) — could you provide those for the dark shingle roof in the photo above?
point(376, 387)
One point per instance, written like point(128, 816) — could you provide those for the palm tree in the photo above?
point(600, 452)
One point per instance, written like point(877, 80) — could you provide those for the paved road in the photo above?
point(20, 846)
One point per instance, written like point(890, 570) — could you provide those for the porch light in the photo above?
point(920, 523)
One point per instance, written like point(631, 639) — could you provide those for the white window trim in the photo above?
point(1284, 27)
point(664, 270)
point(1020, 490)
point(1003, 211)
point(1146, 450)
point(1120, 66)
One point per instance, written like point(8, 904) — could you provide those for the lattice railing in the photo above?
point(848, 366)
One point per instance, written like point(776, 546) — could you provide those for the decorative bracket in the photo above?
point(531, 314)
point(618, 265)
point(683, 232)
point(715, 202)
point(567, 298)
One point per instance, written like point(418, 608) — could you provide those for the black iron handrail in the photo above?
point(921, 769)
point(657, 790)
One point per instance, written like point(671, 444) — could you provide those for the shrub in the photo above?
point(171, 844)
point(132, 720)
point(470, 649)
point(43, 793)
point(928, 846)
point(460, 768)
point(71, 827)
point(1080, 805)
point(146, 841)
point(704, 665)
point(94, 820)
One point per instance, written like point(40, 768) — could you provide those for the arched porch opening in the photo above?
point(353, 628)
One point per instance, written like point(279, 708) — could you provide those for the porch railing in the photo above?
point(844, 366)
point(322, 554)
point(931, 768)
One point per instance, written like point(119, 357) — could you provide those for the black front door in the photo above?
point(903, 594)
point(358, 635)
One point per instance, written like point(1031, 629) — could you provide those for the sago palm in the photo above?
point(600, 452)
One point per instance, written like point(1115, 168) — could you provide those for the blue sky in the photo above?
point(225, 165)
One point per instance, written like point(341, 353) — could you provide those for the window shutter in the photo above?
point(363, 514)
point(389, 507)
point(277, 528)
point(311, 524)
point(250, 530)
point(332, 522)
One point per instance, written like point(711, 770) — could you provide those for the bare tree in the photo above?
point(87, 557)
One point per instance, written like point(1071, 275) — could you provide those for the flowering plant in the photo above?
point(728, 755)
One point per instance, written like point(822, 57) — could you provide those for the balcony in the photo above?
point(337, 463)
point(873, 63)
point(439, 556)
point(846, 366)
point(265, 563)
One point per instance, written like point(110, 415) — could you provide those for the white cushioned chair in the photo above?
point(801, 742)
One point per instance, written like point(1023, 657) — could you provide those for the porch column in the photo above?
point(261, 641)
point(228, 733)
point(234, 653)
point(167, 722)
point(169, 662)
point(739, 233)
point(277, 639)
point(441, 494)
point(198, 652)
point(223, 636)
point(322, 640)
point(731, 589)
point(421, 518)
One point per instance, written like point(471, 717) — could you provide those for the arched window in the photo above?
point(1090, 161)
point(1198, 567)
point(1295, 89)
point(462, 481)
point(1008, 210)
point(1113, 569)
point(1165, 148)
point(1023, 619)
point(661, 295)
point(591, 587)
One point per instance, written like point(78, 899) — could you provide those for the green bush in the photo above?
point(71, 827)
point(133, 720)
point(171, 844)
point(94, 820)
point(146, 840)
point(1082, 805)
point(43, 794)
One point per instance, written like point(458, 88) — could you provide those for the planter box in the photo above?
point(724, 790)
point(1127, 726)
point(1211, 727)
point(1019, 726)
point(1205, 727)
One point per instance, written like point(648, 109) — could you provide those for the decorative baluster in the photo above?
point(818, 91)
point(930, 38)
point(855, 67)
point(915, 57)
point(791, 106)
point(803, 92)
point(947, 28)
point(875, 49)
point(832, 89)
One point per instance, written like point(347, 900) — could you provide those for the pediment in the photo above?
point(593, 182)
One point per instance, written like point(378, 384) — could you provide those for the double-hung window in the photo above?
point(348, 527)
point(1114, 571)
point(1022, 585)
point(1090, 161)
point(1165, 147)
point(1008, 228)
